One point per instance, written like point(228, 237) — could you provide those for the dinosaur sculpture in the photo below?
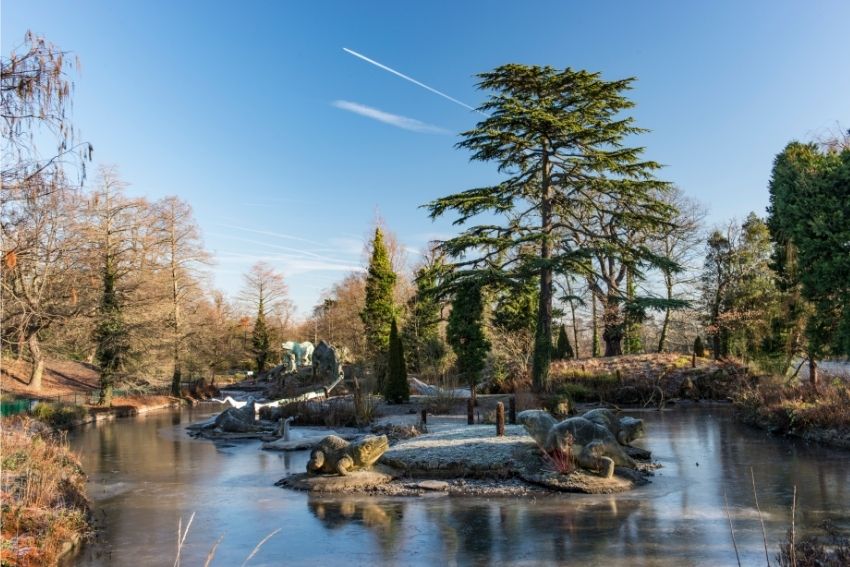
point(327, 362)
point(335, 455)
point(593, 445)
point(303, 352)
point(625, 429)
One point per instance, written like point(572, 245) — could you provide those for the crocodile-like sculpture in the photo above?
point(336, 455)
point(592, 445)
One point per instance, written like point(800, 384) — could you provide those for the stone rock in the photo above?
point(582, 482)
point(437, 485)
point(353, 481)
point(238, 420)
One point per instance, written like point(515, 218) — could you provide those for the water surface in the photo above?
point(146, 474)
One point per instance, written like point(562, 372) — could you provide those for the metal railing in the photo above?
point(14, 407)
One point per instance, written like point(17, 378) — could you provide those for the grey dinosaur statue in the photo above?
point(327, 362)
point(335, 455)
point(625, 429)
point(592, 445)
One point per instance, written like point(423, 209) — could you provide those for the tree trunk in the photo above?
point(543, 332)
point(175, 313)
point(595, 347)
point(106, 388)
point(814, 379)
point(613, 328)
point(662, 340)
point(575, 327)
point(20, 345)
point(37, 362)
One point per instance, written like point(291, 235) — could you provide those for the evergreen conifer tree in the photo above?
point(421, 333)
point(560, 135)
point(396, 389)
point(564, 350)
point(516, 307)
point(809, 220)
point(379, 311)
point(634, 316)
point(111, 336)
point(465, 331)
point(261, 339)
point(699, 348)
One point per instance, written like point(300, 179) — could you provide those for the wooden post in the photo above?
point(694, 360)
point(424, 416)
point(512, 410)
point(500, 419)
point(470, 412)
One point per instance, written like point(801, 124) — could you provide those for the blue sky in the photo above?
point(254, 114)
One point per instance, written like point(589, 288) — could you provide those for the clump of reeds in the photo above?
point(559, 460)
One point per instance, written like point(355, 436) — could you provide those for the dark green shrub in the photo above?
point(58, 415)
point(699, 348)
point(564, 350)
point(396, 390)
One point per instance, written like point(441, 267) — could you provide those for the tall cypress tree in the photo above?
point(379, 311)
point(261, 339)
point(465, 331)
point(561, 137)
point(396, 389)
point(564, 350)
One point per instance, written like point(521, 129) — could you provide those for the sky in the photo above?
point(289, 128)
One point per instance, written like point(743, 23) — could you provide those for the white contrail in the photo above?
point(411, 79)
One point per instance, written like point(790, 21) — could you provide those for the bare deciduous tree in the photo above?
point(41, 241)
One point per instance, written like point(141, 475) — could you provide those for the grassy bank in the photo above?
point(45, 509)
point(646, 379)
point(820, 415)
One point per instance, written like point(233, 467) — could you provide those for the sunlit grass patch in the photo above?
point(43, 494)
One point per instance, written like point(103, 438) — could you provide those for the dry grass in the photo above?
point(61, 377)
point(798, 408)
point(647, 379)
point(830, 551)
point(43, 493)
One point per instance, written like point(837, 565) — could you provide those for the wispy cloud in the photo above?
point(269, 233)
point(348, 245)
point(290, 251)
point(289, 265)
point(392, 119)
point(411, 79)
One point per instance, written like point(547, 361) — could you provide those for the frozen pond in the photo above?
point(145, 473)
